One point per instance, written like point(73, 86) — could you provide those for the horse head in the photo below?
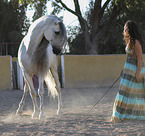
point(49, 27)
point(55, 33)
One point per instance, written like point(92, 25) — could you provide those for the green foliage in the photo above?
point(113, 42)
point(38, 5)
point(39, 10)
point(13, 23)
point(73, 32)
point(12, 18)
point(134, 10)
point(31, 2)
point(57, 8)
point(77, 45)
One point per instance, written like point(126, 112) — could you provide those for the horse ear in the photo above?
point(59, 20)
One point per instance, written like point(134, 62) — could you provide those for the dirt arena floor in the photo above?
point(74, 121)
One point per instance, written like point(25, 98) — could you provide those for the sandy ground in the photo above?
point(73, 121)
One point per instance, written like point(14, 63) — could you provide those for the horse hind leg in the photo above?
point(32, 91)
point(56, 79)
point(21, 104)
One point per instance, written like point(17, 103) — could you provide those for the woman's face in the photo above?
point(125, 32)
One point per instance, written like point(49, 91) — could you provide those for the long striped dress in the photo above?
point(130, 100)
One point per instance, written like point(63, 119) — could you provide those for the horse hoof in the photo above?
point(59, 112)
point(18, 112)
point(35, 115)
point(41, 115)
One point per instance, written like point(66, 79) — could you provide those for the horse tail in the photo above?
point(51, 85)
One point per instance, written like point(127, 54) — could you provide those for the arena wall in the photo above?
point(91, 71)
point(6, 72)
point(77, 71)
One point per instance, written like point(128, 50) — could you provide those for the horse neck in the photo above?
point(34, 40)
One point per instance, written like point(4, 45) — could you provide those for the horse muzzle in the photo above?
point(56, 50)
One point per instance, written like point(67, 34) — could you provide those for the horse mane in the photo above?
point(62, 28)
point(36, 43)
point(39, 57)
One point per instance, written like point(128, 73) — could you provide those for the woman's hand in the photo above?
point(138, 54)
point(138, 77)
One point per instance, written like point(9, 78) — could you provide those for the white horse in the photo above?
point(46, 37)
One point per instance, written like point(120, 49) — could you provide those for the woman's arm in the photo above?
point(138, 52)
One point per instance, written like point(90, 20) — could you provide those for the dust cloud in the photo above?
point(73, 119)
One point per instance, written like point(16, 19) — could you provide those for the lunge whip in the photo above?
point(104, 94)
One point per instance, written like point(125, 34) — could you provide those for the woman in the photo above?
point(130, 100)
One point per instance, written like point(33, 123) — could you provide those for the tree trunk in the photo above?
point(90, 44)
point(92, 37)
point(93, 49)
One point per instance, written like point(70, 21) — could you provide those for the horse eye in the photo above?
point(56, 32)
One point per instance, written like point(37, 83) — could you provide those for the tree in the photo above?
point(39, 9)
point(38, 5)
point(13, 22)
point(112, 41)
point(12, 16)
point(93, 33)
point(97, 24)
point(134, 10)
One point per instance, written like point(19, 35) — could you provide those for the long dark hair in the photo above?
point(133, 31)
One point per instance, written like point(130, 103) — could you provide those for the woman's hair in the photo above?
point(133, 31)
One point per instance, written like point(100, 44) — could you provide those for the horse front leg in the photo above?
point(59, 102)
point(56, 78)
point(41, 94)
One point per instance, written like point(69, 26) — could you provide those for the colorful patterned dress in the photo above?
point(130, 100)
